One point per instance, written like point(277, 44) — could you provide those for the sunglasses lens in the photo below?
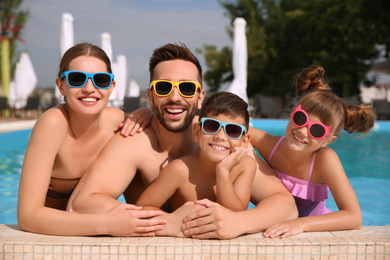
point(102, 80)
point(317, 131)
point(299, 118)
point(163, 88)
point(233, 131)
point(187, 88)
point(76, 79)
point(210, 126)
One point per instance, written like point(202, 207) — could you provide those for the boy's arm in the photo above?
point(164, 186)
point(235, 174)
point(273, 204)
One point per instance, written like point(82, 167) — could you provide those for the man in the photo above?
point(139, 159)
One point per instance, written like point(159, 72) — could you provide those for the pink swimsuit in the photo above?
point(309, 196)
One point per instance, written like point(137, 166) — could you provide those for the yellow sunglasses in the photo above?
point(163, 88)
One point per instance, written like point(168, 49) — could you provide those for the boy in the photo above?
point(221, 171)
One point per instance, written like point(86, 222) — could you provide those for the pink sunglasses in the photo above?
point(317, 130)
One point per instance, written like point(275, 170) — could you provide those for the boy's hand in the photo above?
point(136, 122)
point(234, 158)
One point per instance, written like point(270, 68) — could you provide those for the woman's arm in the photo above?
point(45, 141)
point(347, 217)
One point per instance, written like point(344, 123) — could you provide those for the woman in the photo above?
point(64, 142)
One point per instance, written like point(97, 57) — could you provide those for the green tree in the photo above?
point(284, 36)
point(9, 11)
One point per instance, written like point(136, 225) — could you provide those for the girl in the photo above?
point(304, 163)
point(64, 142)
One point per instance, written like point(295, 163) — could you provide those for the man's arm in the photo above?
point(108, 176)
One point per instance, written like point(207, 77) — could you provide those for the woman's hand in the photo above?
point(136, 122)
point(131, 220)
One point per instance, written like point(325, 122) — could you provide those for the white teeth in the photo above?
point(300, 140)
point(88, 99)
point(219, 147)
point(175, 111)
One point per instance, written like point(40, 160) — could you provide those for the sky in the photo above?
point(136, 29)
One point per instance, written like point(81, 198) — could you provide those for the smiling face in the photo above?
point(87, 99)
point(217, 146)
point(174, 111)
point(299, 139)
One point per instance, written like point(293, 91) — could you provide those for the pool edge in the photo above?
point(369, 242)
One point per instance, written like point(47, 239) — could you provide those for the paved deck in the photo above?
point(10, 126)
point(366, 243)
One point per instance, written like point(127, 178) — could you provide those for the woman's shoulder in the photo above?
point(54, 117)
point(113, 114)
point(53, 123)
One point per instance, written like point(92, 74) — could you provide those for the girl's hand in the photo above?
point(136, 122)
point(234, 158)
point(284, 229)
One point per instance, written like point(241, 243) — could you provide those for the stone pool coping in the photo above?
point(16, 125)
point(369, 242)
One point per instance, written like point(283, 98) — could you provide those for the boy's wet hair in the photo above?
point(228, 104)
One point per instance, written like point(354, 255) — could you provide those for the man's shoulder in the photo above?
point(146, 140)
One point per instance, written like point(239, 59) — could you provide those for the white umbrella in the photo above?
point(133, 90)
point(120, 73)
point(66, 40)
point(67, 34)
point(24, 82)
point(240, 60)
point(106, 44)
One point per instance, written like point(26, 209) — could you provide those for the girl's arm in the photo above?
point(347, 217)
point(262, 141)
point(234, 192)
point(164, 186)
point(46, 139)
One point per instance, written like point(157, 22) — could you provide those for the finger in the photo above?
point(206, 203)
point(200, 213)
point(142, 127)
point(146, 214)
point(132, 207)
point(199, 230)
point(135, 128)
point(148, 228)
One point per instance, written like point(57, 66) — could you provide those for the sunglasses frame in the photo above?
point(222, 124)
point(309, 123)
point(88, 76)
point(175, 84)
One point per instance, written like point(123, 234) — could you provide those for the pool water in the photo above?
point(366, 162)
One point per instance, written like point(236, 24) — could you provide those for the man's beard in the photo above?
point(191, 112)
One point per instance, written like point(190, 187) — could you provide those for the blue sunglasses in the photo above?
point(77, 79)
point(212, 126)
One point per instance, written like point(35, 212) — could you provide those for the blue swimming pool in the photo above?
point(366, 162)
